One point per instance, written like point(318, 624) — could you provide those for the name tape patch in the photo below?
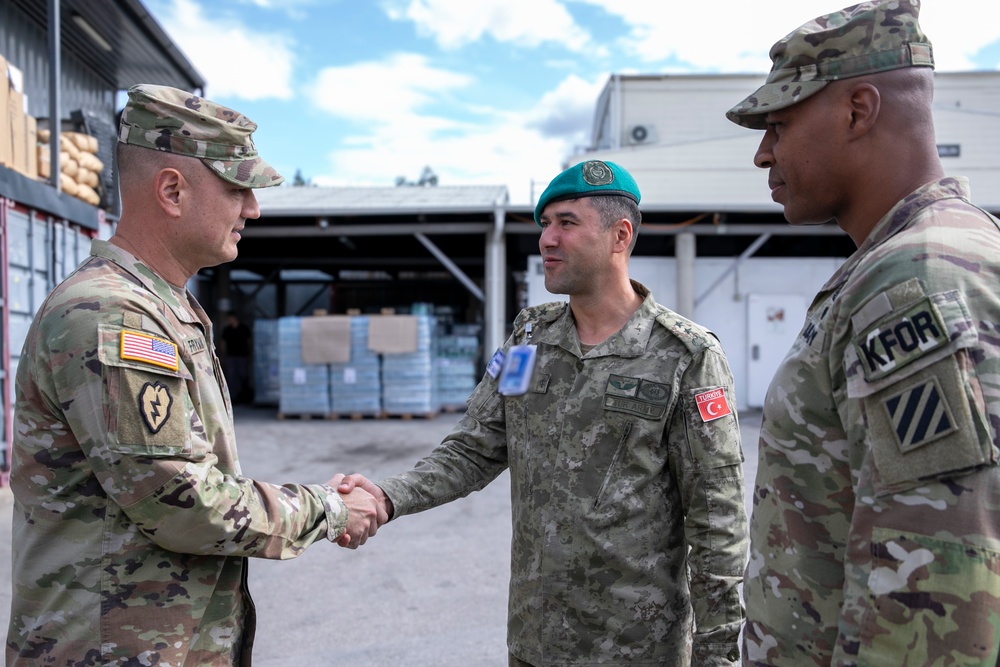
point(712, 404)
point(139, 346)
point(903, 338)
point(636, 396)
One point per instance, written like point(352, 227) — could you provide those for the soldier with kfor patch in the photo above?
point(616, 418)
point(132, 522)
point(875, 531)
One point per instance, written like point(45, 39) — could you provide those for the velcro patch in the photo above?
point(919, 415)
point(900, 339)
point(712, 404)
point(636, 396)
point(139, 346)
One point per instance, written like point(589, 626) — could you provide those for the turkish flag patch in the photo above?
point(712, 404)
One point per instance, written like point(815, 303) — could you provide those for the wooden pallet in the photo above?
point(356, 416)
point(405, 416)
point(304, 416)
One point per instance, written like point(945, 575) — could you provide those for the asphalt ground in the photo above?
point(428, 589)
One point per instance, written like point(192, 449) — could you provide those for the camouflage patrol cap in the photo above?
point(588, 179)
point(862, 39)
point(176, 121)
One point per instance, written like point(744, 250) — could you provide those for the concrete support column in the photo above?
point(685, 255)
point(495, 326)
point(223, 297)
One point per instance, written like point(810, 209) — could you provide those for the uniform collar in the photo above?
point(175, 299)
point(898, 218)
point(629, 341)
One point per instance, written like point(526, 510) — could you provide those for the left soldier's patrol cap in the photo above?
point(862, 39)
point(588, 179)
point(175, 121)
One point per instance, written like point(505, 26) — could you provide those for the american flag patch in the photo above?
point(143, 347)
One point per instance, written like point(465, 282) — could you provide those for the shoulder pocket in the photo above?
point(918, 388)
point(713, 431)
point(148, 405)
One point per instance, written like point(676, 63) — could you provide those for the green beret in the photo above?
point(588, 179)
point(175, 121)
point(862, 39)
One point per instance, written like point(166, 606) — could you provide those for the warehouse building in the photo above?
point(712, 246)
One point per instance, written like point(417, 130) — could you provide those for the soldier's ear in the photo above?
point(168, 186)
point(623, 234)
point(865, 104)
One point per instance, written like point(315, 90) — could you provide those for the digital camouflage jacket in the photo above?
point(629, 528)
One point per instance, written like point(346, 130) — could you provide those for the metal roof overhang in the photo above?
point(140, 51)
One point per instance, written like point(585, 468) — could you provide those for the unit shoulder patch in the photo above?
point(154, 405)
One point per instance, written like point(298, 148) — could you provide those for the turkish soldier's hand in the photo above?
point(350, 482)
point(363, 512)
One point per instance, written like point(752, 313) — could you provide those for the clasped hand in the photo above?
point(367, 508)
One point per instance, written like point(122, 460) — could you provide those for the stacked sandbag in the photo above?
point(79, 167)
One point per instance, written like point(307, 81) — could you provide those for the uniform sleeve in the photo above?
point(707, 459)
point(467, 460)
point(920, 568)
point(150, 452)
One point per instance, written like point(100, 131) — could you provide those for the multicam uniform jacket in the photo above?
point(131, 519)
point(875, 536)
point(616, 473)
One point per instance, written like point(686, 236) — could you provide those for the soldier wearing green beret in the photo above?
point(132, 523)
point(616, 418)
point(875, 531)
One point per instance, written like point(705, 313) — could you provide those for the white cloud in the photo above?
point(386, 91)
point(235, 61)
point(741, 42)
point(521, 149)
point(454, 23)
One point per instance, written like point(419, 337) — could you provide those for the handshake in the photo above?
point(367, 508)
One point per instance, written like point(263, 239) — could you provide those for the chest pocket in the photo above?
point(921, 396)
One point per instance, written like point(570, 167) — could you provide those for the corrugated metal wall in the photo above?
point(25, 45)
point(41, 251)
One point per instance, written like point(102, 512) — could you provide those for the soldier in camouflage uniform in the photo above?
point(132, 522)
point(875, 532)
point(629, 528)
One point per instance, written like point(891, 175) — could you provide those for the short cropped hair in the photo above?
point(612, 208)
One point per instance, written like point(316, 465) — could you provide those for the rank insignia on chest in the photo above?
point(643, 398)
point(712, 404)
point(138, 346)
point(154, 405)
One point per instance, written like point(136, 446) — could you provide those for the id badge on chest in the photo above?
point(518, 366)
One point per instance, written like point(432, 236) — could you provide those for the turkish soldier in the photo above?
point(617, 420)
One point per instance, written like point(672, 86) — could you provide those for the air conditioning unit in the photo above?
point(641, 134)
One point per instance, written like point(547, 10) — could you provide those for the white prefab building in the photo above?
point(672, 134)
point(736, 266)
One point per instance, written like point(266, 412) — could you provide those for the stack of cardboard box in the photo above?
point(25, 149)
point(18, 130)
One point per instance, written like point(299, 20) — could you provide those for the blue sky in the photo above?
point(482, 91)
